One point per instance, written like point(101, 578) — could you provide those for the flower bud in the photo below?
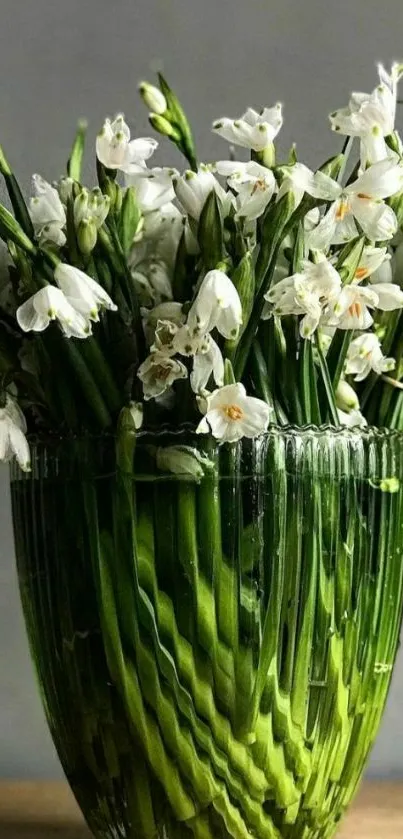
point(163, 126)
point(65, 188)
point(346, 397)
point(86, 235)
point(136, 411)
point(153, 98)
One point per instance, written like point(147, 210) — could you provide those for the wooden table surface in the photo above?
point(48, 811)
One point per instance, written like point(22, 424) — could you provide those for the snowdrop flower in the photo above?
point(47, 212)
point(115, 150)
point(153, 187)
point(361, 201)
point(352, 419)
point(158, 372)
point(307, 293)
point(217, 306)
point(365, 354)
point(152, 281)
point(231, 414)
point(183, 460)
point(299, 180)
point(351, 308)
point(253, 130)
point(255, 185)
point(164, 337)
point(85, 295)
point(13, 428)
point(91, 206)
point(206, 363)
point(193, 189)
point(169, 311)
point(48, 304)
point(371, 117)
point(153, 98)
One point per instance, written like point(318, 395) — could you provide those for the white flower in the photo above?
point(47, 212)
point(361, 202)
point(255, 185)
point(153, 98)
point(153, 187)
point(352, 419)
point(152, 281)
point(13, 442)
point(307, 293)
point(193, 189)
point(371, 261)
point(158, 372)
point(84, 294)
point(231, 414)
point(350, 309)
point(164, 337)
point(48, 304)
point(253, 130)
point(299, 180)
point(371, 117)
point(365, 354)
point(217, 306)
point(169, 311)
point(183, 460)
point(206, 363)
point(91, 206)
point(115, 150)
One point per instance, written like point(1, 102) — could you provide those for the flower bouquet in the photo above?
point(201, 382)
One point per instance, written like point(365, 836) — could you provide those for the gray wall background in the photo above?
point(62, 60)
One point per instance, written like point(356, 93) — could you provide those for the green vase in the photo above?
point(213, 648)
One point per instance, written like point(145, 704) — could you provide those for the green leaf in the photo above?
point(243, 279)
point(11, 229)
point(176, 115)
point(210, 232)
point(129, 219)
point(229, 376)
point(181, 285)
point(327, 383)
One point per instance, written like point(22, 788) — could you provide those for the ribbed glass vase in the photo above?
point(214, 647)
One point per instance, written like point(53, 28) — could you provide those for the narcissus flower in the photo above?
point(193, 188)
point(307, 293)
point(217, 306)
point(300, 180)
point(255, 185)
point(153, 187)
point(13, 442)
point(365, 354)
point(116, 150)
point(47, 212)
point(351, 308)
point(231, 414)
point(252, 130)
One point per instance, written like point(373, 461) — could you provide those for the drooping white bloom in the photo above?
point(351, 308)
point(153, 187)
point(48, 304)
point(91, 206)
point(299, 180)
point(231, 414)
point(153, 98)
point(13, 428)
point(193, 188)
point(217, 306)
point(47, 212)
point(152, 281)
point(352, 419)
point(371, 260)
point(83, 293)
point(158, 373)
point(255, 185)
point(307, 293)
point(371, 117)
point(365, 354)
point(361, 201)
point(164, 337)
point(205, 364)
point(252, 130)
point(116, 150)
point(169, 311)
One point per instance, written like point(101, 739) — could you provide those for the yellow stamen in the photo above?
point(361, 273)
point(342, 210)
point(364, 195)
point(233, 412)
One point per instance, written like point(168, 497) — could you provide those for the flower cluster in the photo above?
point(231, 295)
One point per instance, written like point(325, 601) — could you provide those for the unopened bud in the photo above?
point(346, 397)
point(136, 411)
point(163, 126)
point(86, 235)
point(65, 188)
point(153, 98)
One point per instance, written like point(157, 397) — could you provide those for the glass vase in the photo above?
point(213, 628)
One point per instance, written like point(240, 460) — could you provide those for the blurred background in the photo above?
point(63, 60)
